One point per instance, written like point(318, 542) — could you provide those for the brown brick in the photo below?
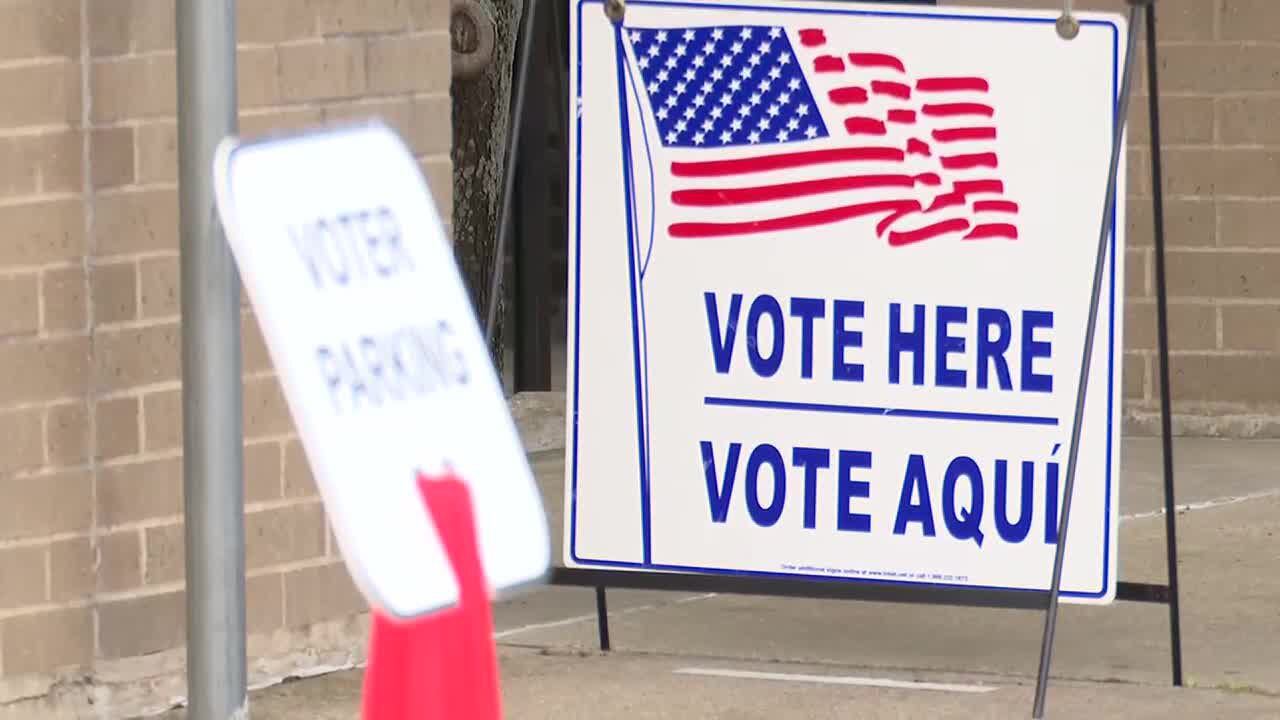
point(158, 152)
point(439, 174)
point(1225, 378)
point(1248, 120)
point(20, 299)
point(1223, 171)
point(44, 162)
point(142, 625)
point(1223, 274)
point(253, 124)
point(64, 299)
point(159, 278)
point(1188, 222)
point(264, 603)
point(1219, 68)
point(1191, 327)
point(71, 570)
point(112, 157)
point(274, 21)
point(407, 63)
point(298, 480)
point(45, 504)
point(43, 94)
point(1251, 327)
point(336, 17)
point(121, 564)
point(22, 576)
point(134, 88)
point(67, 434)
point(39, 28)
point(1247, 20)
point(117, 427)
point(1185, 20)
point(139, 491)
point(138, 356)
point(47, 641)
point(115, 292)
point(50, 369)
point(1136, 273)
point(162, 420)
point(166, 554)
point(118, 27)
point(320, 70)
point(265, 411)
point(1134, 376)
point(253, 348)
point(430, 16)
point(41, 232)
point(423, 122)
point(23, 437)
point(282, 535)
point(1183, 120)
point(320, 593)
point(136, 221)
point(257, 77)
point(262, 471)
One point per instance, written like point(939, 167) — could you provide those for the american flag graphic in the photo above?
point(767, 129)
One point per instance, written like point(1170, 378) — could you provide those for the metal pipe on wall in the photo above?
point(213, 448)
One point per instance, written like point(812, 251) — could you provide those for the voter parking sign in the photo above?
point(830, 272)
point(383, 365)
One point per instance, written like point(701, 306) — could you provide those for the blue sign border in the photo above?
point(1111, 306)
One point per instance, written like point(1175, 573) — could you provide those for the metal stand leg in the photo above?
point(1051, 617)
point(602, 619)
point(1162, 328)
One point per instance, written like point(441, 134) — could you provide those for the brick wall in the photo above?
point(91, 539)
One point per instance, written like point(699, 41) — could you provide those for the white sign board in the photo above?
point(363, 310)
point(830, 271)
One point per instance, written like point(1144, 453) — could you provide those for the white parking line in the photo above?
point(583, 618)
point(1206, 504)
point(839, 680)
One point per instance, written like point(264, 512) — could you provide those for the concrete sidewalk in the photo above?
point(1110, 662)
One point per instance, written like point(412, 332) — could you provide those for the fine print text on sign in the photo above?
point(830, 272)
point(387, 376)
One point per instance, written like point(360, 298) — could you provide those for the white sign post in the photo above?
point(830, 267)
point(367, 321)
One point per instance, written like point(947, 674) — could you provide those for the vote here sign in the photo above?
point(383, 365)
point(830, 270)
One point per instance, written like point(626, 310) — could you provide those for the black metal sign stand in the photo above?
point(1047, 601)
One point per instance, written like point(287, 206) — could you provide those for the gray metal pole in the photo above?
point(211, 382)
point(1117, 147)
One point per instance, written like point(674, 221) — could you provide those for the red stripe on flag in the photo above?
point(790, 222)
point(864, 126)
point(899, 90)
point(812, 37)
point(993, 230)
point(967, 187)
point(946, 200)
point(876, 60)
point(954, 109)
point(710, 197)
point(828, 64)
point(916, 146)
point(765, 163)
point(907, 117)
point(964, 133)
point(927, 232)
point(951, 84)
point(995, 206)
point(848, 95)
point(968, 162)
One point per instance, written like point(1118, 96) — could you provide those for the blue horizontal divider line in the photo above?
point(887, 412)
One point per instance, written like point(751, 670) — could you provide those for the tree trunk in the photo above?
point(481, 115)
